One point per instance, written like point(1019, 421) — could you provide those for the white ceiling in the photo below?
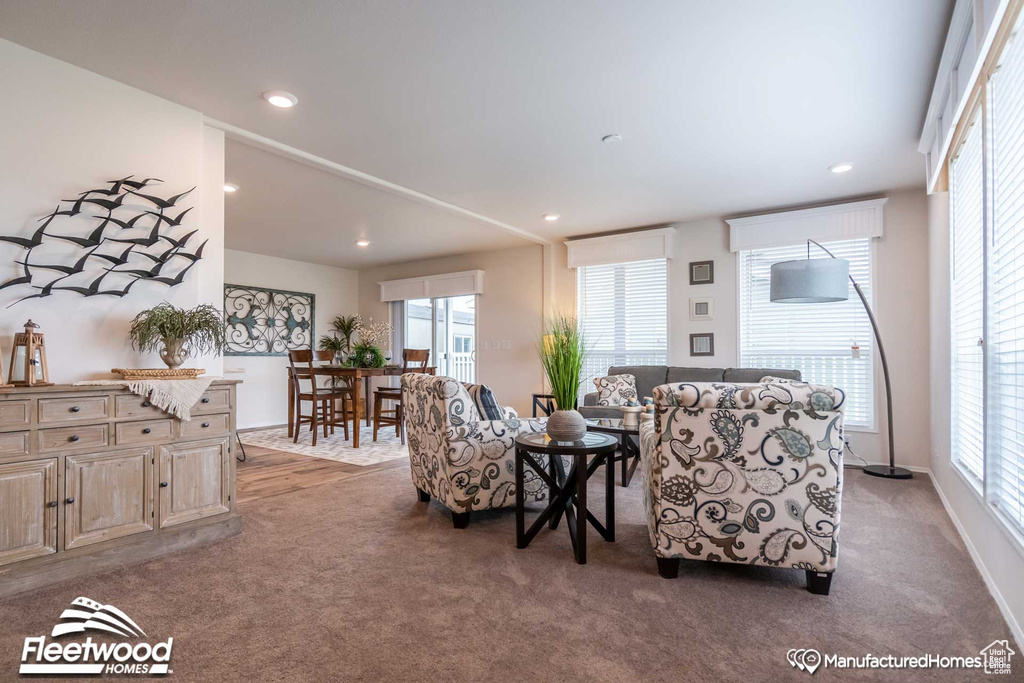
point(499, 106)
point(292, 210)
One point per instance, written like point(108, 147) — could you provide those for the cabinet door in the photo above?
point(194, 481)
point(107, 495)
point(28, 510)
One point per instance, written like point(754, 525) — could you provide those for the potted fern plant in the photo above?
point(177, 333)
point(562, 352)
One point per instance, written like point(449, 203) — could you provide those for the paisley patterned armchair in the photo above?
point(465, 462)
point(745, 473)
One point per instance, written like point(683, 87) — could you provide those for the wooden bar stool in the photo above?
point(413, 360)
point(323, 399)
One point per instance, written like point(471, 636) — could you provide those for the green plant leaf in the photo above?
point(563, 350)
point(201, 328)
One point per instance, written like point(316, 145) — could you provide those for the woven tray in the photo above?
point(158, 373)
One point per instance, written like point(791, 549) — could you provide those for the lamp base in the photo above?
point(888, 472)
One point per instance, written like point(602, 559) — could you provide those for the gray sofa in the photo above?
point(650, 376)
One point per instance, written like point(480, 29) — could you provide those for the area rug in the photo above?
point(334, 447)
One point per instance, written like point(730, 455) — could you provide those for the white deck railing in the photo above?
point(461, 366)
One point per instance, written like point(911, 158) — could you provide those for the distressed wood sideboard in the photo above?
point(94, 477)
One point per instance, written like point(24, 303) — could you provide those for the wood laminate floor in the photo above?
point(267, 472)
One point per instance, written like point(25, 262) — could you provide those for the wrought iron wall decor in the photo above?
point(266, 322)
point(139, 236)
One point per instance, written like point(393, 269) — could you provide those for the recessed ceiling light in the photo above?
point(551, 216)
point(362, 243)
point(280, 98)
point(612, 138)
point(230, 187)
point(841, 167)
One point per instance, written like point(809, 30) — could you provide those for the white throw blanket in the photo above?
point(175, 396)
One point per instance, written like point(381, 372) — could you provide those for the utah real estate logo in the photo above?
point(130, 656)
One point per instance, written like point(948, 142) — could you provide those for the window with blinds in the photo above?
point(1005, 298)
point(828, 343)
point(967, 288)
point(623, 312)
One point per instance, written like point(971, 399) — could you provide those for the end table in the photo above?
point(568, 491)
point(546, 403)
point(626, 435)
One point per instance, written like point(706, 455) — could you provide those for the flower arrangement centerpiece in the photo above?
point(562, 352)
point(366, 353)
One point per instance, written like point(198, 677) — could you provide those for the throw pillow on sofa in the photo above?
point(615, 390)
point(768, 379)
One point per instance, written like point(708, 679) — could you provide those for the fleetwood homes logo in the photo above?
point(92, 658)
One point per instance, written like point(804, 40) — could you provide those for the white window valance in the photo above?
point(854, 220)
point(642, 245)
point(430, 286)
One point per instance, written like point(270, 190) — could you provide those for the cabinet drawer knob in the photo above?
point(73, 437)
point(75, 409)
point(205, 399)
point(69, 501)
point(147, 430)
point(146, 404)
point(53, 503)
point(205, 425)
point(163, 484)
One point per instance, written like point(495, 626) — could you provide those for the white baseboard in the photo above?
point(1004, 609)
point(243, 430)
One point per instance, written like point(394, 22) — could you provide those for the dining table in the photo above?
point(352, 377)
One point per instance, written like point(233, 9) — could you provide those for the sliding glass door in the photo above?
point(446, 326)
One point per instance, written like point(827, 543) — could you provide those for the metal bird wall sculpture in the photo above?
point(120, 247)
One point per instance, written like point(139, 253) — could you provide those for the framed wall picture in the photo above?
point(702, 344)
point(702, 272)
point(702, 308)
point(267, 322)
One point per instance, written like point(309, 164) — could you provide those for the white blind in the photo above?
point(1006, 286)
point(623, 312)
point(967, 303)
point(816, 339)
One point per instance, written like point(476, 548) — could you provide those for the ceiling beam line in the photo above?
point(288, 152)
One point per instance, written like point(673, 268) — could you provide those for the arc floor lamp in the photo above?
point(823, 280)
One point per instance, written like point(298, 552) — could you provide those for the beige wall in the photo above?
point(261, 396)
point(513, 304)
point(69, 130)
point(510, 309)
point(901, 307)
point(997, 553)
point(704, 240)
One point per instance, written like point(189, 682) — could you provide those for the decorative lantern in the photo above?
point(28, 359)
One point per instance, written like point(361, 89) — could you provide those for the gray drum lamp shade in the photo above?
point(810, 281)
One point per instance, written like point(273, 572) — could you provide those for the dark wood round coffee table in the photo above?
point(568, 491)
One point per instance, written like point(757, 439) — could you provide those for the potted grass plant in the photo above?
point(177, 333)
point(562, 352)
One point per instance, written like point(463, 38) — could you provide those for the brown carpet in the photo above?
point(357, 581)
